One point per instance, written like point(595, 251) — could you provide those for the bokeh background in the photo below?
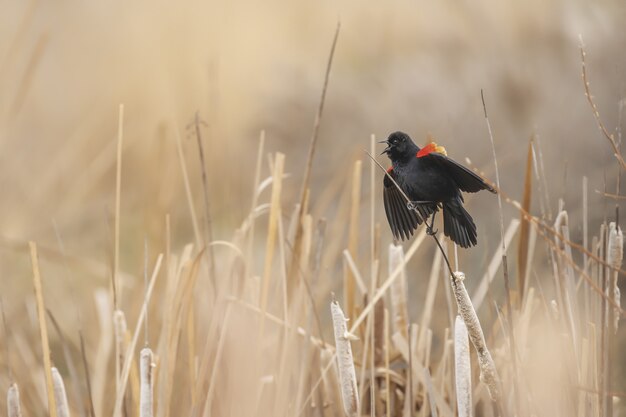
point(417, 66)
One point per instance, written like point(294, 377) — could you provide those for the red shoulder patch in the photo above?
point(390, 170)
point(428, 149)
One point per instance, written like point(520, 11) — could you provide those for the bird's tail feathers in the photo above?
point(458, 225)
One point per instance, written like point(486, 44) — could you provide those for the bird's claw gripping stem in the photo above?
point(430, 231)
point(429, 228)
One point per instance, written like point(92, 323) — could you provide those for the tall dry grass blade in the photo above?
point(146, 372)
point(43, 329)
point(462, 369)
point(354, 272)
point(293, 268)
point(345, 362)
point(60, 397)
point(272, 230)
point(398, 291)
point(105, 343)
point(522, 251)
point(118, 192)
point(119, 396)
point(488, 372)
point(13, 401)
point(429, 302)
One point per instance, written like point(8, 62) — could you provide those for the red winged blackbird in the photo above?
point(431, 181)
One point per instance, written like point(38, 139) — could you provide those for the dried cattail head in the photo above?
point(345, 362)
point(60, 397)
point(488, 372)
point(13, 401)
point(615, 257)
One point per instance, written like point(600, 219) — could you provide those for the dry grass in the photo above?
point(234, 303)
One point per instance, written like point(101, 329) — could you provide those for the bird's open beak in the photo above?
point(387, 148)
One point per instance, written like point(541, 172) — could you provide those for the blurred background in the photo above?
point(417, 66)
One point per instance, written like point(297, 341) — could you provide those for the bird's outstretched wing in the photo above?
point(464, 178)
point(402, 220)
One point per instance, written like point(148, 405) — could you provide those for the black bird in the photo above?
point(431, 181)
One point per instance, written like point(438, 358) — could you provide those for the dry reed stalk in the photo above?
point(398, 291)
point(104, 310)
point(494, 265)
point(63, 409)
point(118, 192)
point(119, 396)
point(353, 236)
point(488, 372)
point(462, 369)
point(431, 394)
point(357, 278)
point(345, 362)
point(373, 240)
point(146, 368)
point(272, 229)
point(429, 302)
point(378, 334)
point(43, 329)
point(13, 401)
point(387, 354)
point(522, 252)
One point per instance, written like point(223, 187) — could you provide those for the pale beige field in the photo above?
point(225, 333)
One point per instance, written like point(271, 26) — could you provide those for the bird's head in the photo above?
point(399, 147)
